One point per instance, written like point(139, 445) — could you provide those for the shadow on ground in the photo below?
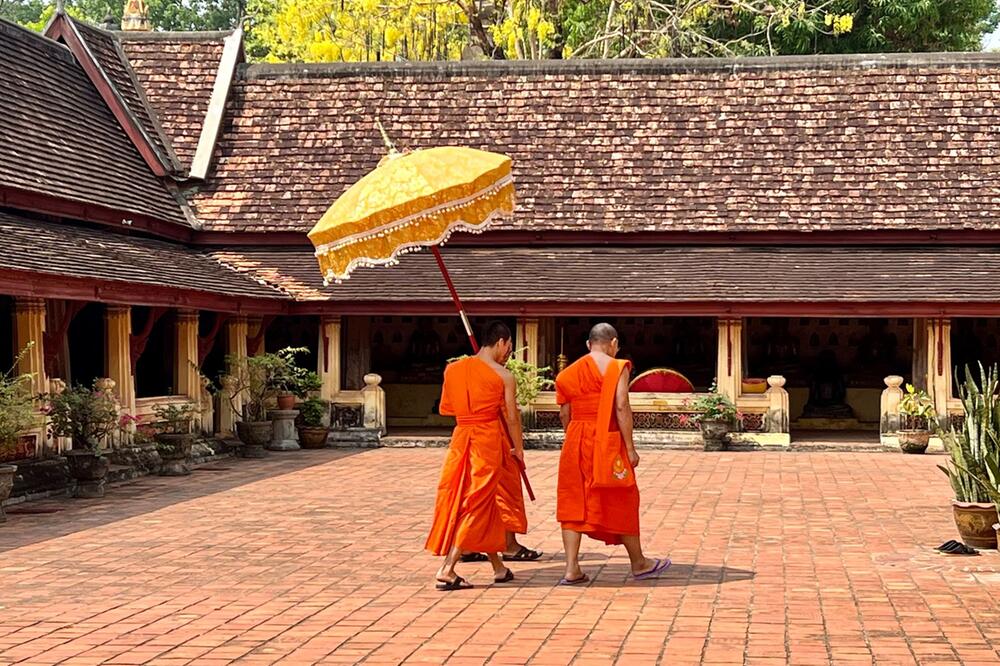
point(605, 574)
point(41, 520)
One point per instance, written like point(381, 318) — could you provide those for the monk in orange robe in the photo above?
point(470, 513)
point(597, 492)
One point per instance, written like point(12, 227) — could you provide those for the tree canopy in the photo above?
point(353, 30)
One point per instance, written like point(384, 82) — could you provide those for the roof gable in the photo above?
point(177, 72)
point(100, 55)
point(64, 151)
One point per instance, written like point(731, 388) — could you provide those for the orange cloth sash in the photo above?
point(611, 466)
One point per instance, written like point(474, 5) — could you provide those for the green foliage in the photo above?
point(86, 415)
point(252, 379)
point(174, 419)
point(290, 377)
point(163, 14)
point(714, 406)
point(17, 407)
point(917, 405)
point(529, 379)
point(974, 465)
point(312, 411)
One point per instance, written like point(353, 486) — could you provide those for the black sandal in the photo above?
point(956, 548)
point(475, 557)
point(523, 555)
point(507, 577)
point(450, 586)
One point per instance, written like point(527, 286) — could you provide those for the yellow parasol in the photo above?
point(413, 200)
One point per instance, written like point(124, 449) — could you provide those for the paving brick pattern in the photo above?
point(315, 557)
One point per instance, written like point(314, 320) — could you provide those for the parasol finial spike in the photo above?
point(389, 145)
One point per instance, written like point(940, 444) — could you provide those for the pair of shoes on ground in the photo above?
point(460, 583)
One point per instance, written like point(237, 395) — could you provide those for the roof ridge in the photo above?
point(170, 35)
point(651, 65)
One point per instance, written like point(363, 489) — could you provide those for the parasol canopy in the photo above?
point(412, 200)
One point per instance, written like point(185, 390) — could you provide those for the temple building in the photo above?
point(805, 233)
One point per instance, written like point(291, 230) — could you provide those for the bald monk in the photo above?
point(597, 493)
point(469, 514)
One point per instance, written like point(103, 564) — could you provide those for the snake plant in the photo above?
point(974, 467)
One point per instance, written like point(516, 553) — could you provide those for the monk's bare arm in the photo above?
point(623, 412)
point(512, 414)
point(565, 415)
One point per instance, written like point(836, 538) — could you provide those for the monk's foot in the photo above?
point(575, 577)
point(505, 577)
point(651, 569)
point(521, 554)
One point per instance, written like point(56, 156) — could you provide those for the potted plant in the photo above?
point(918, 413)
point(174, 436)
point(313, 428)
point(974, 465)
point(715, 415)
point(87, 416)
point(17, 415)
point(290, 380)
point(252, 381)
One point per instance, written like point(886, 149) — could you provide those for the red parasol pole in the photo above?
point(475, 347)
point(454, 297)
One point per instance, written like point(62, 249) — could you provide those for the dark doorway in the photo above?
point(834, 368)
point(154, 372)
point(7, 334)
point(86, 343)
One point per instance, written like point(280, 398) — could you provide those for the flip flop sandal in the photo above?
point(956, 548)
point(507, 577)
point(523, 555)
point(475, 557)
point(450, 586)
point(576, 581)
point(658, 568)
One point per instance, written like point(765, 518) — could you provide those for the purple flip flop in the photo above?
point(660, 567)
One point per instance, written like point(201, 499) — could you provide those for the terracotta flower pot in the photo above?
point(914, 441)
point(175, 452)
point(89, 470)
point(255, 435)
point(286, 401)
point(714, 434)
point(313, 437)
point(975, 523)
point(6, 484)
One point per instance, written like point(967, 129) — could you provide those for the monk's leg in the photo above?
point(640, 563)
point(571, 544)
point(447, 573)
point(499, 568)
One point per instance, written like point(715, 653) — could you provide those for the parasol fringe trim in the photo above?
point(411, 220)
point(416, 246)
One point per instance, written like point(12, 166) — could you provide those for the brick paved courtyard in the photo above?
point(311, 557)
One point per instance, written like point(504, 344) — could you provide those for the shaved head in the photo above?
point(602, 334)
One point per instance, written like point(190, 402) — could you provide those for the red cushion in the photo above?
point(661, 380)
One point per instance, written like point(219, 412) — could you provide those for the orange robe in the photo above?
point(597, 494)
point(476, 503)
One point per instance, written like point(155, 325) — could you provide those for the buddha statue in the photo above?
point(827, 389)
